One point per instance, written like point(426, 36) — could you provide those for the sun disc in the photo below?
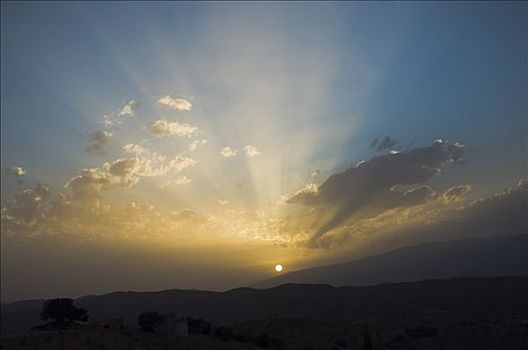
point(278, 267)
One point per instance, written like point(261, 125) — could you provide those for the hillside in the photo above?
point(467, 257)
point(472, 296)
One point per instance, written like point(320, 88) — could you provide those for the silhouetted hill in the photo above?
point(476, 297)
point(467, 257)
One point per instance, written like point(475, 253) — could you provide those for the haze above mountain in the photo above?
point(477, 257)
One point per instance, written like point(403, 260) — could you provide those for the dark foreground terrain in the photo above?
point(125, 339)
point(460, 313)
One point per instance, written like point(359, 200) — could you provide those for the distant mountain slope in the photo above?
point(468, 257)
point(474, 297)
point(439, 260)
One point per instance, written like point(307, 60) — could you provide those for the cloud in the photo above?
point(29, 214)
point(98, 141)
point(189, 216)
point(128, 110)
point(305, 195)
point(251, 151)
point(148, 157)
point(135, 149)
point(378, 175)
point(155, 164)
point(182, 180)
point(374, 143)
point(42, 191)
point(456, 150)
point(123, 169)
point(315, 173)
point(501, 214)
point(160, 128)
point(119, 173)
point(15, 170)
point(179, 104)
point(456, 193)
point(223, 202)
point(60, 205)
point(385, 143)
point(195, 143)
point(180, 163)
point(369, 187)
point(24, 207)
point(414, 196)
point(228, 152)
point(117, 116)
point(127, 172)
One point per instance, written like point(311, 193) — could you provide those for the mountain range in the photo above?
point(456, 276)
point(477, 257)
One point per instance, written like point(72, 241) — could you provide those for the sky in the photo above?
point(196, 145)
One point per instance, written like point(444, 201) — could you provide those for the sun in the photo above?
point(278, 267)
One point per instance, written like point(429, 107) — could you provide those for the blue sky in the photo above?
point(456, 71)
point(307, 85)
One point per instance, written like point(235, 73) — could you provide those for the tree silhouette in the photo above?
point(62, 312)
point(198, 326)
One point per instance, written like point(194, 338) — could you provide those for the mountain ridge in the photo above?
point(499, 286)
point(486, 257)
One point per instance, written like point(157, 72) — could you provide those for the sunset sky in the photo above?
point(196, 145)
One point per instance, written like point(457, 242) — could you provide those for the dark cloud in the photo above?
point(383, 144)
point(386, 143)
point(457, 151)
point(369, 187)
point(98, 141)
point(374, 143)
point(503, 214)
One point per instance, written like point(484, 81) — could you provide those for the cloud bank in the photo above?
point(373, 186)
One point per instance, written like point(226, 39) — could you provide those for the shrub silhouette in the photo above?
point(63, 313)
point(147, 321)
point(198, 326)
